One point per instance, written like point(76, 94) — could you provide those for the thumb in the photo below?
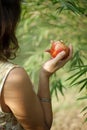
point(59, 56)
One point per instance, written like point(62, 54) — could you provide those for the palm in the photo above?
point(56, 63)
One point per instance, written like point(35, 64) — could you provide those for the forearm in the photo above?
point(44, 92)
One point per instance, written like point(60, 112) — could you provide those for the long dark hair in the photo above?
point(9, 16)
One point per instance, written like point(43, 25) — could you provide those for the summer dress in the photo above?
point(7, 120)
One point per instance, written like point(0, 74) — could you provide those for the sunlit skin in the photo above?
point(19, 98)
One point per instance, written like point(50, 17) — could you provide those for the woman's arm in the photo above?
point(19, 96)
point(45, 97)
point(43, 92)
point(27, 107)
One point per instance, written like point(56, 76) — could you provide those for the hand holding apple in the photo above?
point(57, 47)
point(61, 56)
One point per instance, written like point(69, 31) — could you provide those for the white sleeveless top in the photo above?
point(7, 120)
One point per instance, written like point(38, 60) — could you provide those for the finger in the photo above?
point(59, 57)
point(63, 62)
point(71, 50)
point(70, 54)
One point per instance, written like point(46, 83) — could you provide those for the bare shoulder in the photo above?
point(17, 74)
point(18, 77)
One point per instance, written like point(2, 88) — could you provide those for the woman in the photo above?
point(20, 107)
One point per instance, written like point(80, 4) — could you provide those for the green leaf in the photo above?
point(82, 98)
point(85, 120)
point(60, 87)
point(60, 9)
point(81, 81)
point(56, 94)
point(85, 108)
point(84, 85)
point(77, 75)
point(73, 75)
point(57, 86)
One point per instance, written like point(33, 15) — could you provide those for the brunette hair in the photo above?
point(9, 16)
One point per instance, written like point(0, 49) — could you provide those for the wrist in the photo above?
point(44, 73)
point(45, 99)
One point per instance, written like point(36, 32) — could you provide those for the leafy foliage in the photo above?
point(76, 6)
point(80, 79)
point(46, 20)
point(81, 76)
point(77, 60)
point(56, 85)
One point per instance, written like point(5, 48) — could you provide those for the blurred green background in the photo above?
point(46, 20)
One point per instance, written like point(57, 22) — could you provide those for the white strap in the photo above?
point(4, 79)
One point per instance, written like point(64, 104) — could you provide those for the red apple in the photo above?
point(57, 47)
